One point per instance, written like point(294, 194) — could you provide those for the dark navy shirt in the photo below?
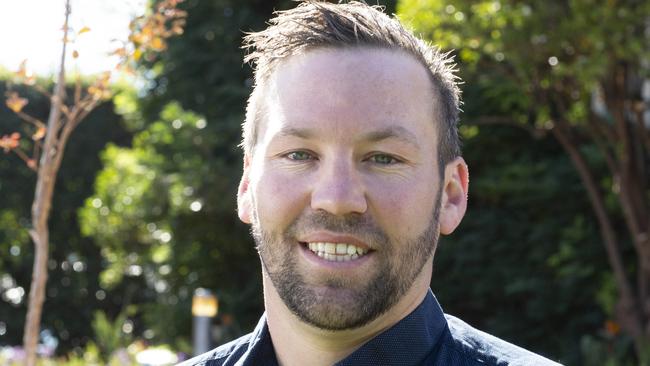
point(425, 337)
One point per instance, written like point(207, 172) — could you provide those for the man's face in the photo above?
point(343, 188)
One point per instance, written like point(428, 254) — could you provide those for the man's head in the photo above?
point(318, 25)
point(342, 174)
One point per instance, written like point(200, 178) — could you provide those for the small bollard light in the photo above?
point(204, 303)
point(204, 307)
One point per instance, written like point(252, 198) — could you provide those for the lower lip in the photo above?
point(314, 259)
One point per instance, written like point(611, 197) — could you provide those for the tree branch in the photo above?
point(35, 152)
point(639, 109)
point(31, 120)
point(602, 145)
point(29, 162)
point(617, 108)
point(44, 92)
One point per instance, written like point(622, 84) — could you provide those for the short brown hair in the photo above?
point(317, 24)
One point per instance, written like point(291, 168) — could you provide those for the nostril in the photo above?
point(339, 199)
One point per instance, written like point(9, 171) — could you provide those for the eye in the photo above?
point(299, 156)
point(383, 159)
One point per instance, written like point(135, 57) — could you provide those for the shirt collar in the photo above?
point(412, 338)
point(260, 349)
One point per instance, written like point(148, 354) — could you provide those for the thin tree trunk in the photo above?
point(632, 194)
point(47, 171)
point(627, 311)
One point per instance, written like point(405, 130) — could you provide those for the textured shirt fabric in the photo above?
point(427, 336)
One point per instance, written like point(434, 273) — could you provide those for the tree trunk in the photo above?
point(47, 171)
point(628, 311)
point(632, 195)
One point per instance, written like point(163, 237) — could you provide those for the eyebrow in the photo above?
point(303, 133)
point(391, 132)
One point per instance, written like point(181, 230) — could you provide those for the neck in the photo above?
point(298, 343)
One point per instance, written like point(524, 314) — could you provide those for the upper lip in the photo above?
point(329, 237)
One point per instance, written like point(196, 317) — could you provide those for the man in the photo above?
point(352, 169)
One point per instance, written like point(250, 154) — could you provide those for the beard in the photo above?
point(344, 302)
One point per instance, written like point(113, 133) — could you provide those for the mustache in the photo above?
point(357, 225)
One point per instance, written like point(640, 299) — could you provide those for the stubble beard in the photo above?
point(341, 303)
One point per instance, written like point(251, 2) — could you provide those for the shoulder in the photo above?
point(226, 354)
point(471, 343)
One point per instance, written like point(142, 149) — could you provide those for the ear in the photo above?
point(244, 199)
point(454, 195)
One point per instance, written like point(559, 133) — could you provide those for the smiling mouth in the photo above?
point(336, 252)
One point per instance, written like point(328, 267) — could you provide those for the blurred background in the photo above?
point(144, 208)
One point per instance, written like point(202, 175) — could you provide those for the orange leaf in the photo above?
point(612, 327)
point(121, 52)
point(103, 79)
point(30, 80)
point(99, 90)
point(16, 103)
point(25, 75)
point(83, 30)
point(159, 18)
point(94, 91)
point(31, 163)
point(136, 38)
point(75, 54)
point(177, 29)
point(9, 142)
point(22, 69)
point(147, 31)
point(39, 134)
point(157, 44)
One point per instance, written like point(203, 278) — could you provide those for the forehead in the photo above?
point(350, 91)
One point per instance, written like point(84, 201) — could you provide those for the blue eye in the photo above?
point(383, 159)
point(299, 156)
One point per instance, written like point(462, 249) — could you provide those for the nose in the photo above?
point(339, 189)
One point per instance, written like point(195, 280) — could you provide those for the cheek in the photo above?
point(404, 207)
point(278, 199)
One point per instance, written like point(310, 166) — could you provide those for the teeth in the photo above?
point(337, 252)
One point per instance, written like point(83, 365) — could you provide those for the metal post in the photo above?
point(204, 308)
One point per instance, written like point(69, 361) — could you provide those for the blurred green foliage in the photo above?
point(163, 210)
point(533, 55)
point(526, 64)
point(526, 262)
point(109, 335)
point(73, 291)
